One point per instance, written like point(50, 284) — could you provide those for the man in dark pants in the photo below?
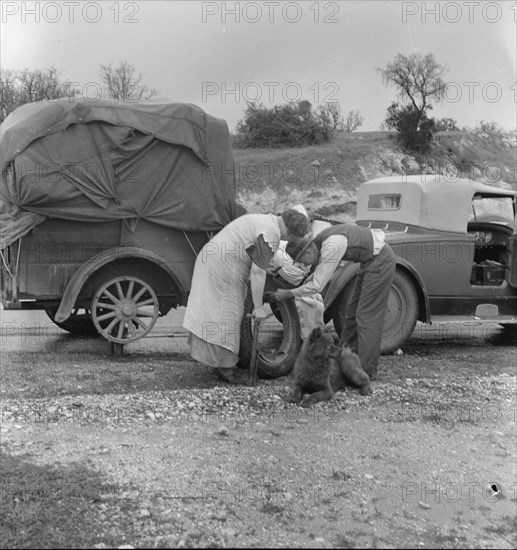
point(364, 317)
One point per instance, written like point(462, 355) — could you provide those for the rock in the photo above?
point(144, 513)
point(125, 546)
point(221, 515)
point(319, 540)
point(223, 430)
point(368, 476)
point(229, 532)
point(399, 352)
point(424, 505)
point(315, 163)
point(149, 415)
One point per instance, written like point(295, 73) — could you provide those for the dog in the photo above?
point(323, 367)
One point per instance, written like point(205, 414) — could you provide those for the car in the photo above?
point(456, 260)
point(455, 244)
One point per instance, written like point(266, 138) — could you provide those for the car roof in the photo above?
point(428, 200)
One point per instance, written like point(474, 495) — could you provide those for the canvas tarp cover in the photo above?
point(91, 162)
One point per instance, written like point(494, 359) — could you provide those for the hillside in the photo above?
point(325, 177)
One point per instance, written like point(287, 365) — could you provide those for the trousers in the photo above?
point(365, 312)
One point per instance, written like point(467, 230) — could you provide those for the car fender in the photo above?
point(337, 283)
point(344, 274)
point(93, 264)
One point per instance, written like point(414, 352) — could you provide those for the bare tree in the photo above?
point(491, 127)
point(20, 87)
point(352, 121)
point(8, 93)
point(419, 81)
point(417, 78)
point(330, 114)
point(123, 83)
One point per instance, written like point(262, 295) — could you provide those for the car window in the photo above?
point(385, 201)
point(492, 210)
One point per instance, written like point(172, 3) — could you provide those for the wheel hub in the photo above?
point(126, 309)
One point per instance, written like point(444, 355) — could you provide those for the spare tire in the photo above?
point(279, 338)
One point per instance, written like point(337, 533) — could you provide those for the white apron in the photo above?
point(219, 285)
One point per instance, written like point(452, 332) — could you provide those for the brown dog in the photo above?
point(322, 367)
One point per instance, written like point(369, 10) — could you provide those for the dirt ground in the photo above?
point(150, 451)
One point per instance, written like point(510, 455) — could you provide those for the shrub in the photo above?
point(293, 125)
point(446, 125)
point(414, 128)
point(491, 128)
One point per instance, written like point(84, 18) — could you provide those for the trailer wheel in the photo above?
point(124, 309)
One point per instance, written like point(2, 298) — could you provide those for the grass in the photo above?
point(278, 168)
point(326, 176)
point(56, 506)
point(35, 375)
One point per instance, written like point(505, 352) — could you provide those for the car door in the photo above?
point(512, 263)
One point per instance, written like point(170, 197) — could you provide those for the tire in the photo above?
point(279, 341)
point(124, 309)
point(77, 323)
point(401, 313)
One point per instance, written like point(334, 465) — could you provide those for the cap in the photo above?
point(297, 251)
point(300, 208)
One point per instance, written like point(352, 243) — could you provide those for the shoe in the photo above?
point(227, 375)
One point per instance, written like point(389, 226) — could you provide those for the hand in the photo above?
point(273, 271)
point(261, 312)
point(282, 294)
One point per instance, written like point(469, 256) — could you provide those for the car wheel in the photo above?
point(79, 322)
point(124, 309)
point(401, 312)
point(279, 340)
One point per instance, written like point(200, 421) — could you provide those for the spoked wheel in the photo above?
point(125, 309)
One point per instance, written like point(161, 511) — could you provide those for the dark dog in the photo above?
point(323, 367)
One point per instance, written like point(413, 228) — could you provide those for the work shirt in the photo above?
point(332, 251)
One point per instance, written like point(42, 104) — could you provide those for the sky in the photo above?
point(218, 55)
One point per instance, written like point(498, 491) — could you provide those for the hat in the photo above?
point(299, 247)
point(300, 208)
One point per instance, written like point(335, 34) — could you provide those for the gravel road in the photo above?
point(161, 454)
